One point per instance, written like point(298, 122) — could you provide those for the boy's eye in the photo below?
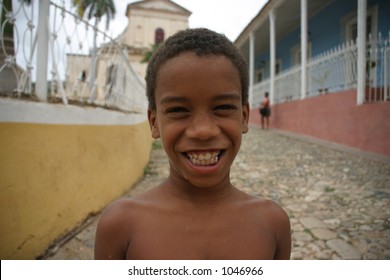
point(176, 110)
point(226, 107)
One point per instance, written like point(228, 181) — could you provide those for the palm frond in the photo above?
point(96, 9)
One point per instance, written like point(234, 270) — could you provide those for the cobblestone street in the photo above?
point(338, 202)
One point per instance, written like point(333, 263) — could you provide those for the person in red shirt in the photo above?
point(265, 111)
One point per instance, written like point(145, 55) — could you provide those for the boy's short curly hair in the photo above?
point(202, 42)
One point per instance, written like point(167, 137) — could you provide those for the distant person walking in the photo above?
point(265, 111)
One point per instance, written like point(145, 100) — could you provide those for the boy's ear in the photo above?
point(245, 117)
point(152, 117)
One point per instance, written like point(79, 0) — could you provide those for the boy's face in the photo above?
point(200, 117)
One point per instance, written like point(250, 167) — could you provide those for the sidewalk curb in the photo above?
point(336, 146)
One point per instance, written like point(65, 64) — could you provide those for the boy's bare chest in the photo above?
point(203, 236)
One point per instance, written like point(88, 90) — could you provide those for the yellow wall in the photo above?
point(53, 176)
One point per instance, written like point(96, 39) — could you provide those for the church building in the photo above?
point(150, 22)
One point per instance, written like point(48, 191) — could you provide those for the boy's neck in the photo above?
point(184, 190)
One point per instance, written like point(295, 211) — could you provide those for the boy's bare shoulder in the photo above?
point(128, 209)
point(125, 208)
point(264, 204)
point(257, 202)
point(116, 216)
point(119, 208)
point(268, 209)
point(117, 223)
point(278, 222)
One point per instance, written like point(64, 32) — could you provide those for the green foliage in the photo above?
point(148, 55)
point(157, 145)
point(148, 170)
point(329, 189)
point(96, 9)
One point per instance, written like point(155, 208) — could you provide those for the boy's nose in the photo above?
point(202, 127)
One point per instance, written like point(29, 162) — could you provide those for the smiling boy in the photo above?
point(197, 88)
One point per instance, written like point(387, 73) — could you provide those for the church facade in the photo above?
point(150, 22)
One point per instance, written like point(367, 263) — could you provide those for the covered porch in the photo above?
point(339, 90)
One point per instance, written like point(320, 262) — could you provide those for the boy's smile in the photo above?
point(204, 158)
point(200, 117)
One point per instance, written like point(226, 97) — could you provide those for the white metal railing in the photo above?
point(378, 70)
point(288, 85)
point(334, 71)
point(11, 72)
point(68, 58)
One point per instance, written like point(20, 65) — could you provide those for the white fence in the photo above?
point(287, 85)
point(334, 71)
point(68, 56)
point(378, 70)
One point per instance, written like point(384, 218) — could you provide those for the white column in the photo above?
point(272, 55)
point(42, 49)
point(303, 48)
point(251, 67)
point(361, 49)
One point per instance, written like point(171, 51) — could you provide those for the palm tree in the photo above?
point(7, 75)
point(95, 9)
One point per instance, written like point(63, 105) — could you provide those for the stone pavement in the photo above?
point(338, 202)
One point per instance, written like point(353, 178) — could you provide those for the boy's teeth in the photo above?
point(204, 158)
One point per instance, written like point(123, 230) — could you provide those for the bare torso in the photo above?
point(159, 226)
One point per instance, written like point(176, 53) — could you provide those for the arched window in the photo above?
point(159, 36)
